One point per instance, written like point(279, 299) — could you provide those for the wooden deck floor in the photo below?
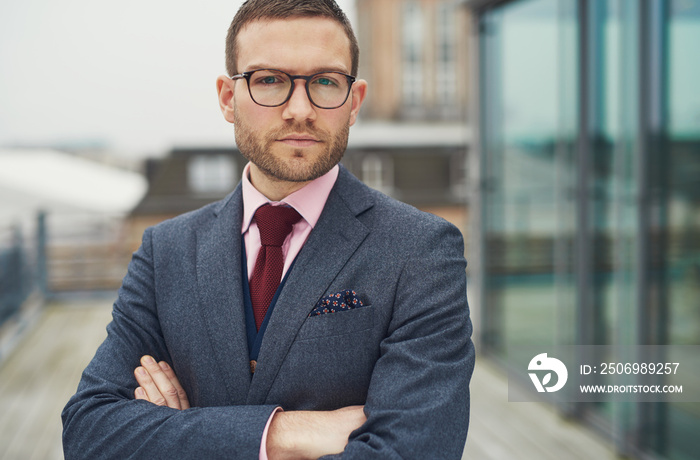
point(40, 375)
point(501, 430)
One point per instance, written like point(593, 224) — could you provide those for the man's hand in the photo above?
point(312, 434)
point(291, 435)
point(159, 384)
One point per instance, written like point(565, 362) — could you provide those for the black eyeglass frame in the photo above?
point(292, 78)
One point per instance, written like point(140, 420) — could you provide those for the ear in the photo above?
point(225, 88)
point(358, 93)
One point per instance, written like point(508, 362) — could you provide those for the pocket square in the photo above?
point(340, 301)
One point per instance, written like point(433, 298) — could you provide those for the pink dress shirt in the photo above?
point(308, 201)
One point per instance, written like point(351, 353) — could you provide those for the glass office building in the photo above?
point(588, 222)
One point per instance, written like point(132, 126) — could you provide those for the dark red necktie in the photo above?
point(274, 223)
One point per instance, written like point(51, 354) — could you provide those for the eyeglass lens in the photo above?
point(271, 88)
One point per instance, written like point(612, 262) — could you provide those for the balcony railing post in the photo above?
point(41, 256)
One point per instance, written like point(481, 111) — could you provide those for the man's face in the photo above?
point(297, 141)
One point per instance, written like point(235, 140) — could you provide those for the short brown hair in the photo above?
point(253, 10)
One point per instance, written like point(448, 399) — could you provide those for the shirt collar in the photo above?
point(308, 201)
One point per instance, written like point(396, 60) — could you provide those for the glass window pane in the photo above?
point(528, 169)
point(680, 162)
point(412, 42)
point(211, 174)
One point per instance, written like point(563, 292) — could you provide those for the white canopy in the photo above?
point(45, 179)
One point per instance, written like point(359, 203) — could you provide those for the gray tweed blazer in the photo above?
point(406, 355)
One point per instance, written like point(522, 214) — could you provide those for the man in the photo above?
point(352, 340)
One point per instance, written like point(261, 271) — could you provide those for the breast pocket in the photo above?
point(338, 323)
point(330, 363)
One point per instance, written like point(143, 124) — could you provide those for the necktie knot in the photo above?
point(275, 223)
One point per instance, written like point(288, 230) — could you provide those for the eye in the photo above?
point(325, 80)
point(268, 80)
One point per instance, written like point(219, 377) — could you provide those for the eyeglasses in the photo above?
point(272, 88)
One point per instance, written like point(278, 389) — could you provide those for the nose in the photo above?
point(299, 107)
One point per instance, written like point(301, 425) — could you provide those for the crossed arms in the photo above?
point(416, 401)
point(291, 435)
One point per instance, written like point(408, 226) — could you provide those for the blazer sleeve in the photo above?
point(103, 420)
point(418, 401)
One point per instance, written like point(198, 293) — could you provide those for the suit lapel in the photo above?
point(336, 237)
point(219, 278)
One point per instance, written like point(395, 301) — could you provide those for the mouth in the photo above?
point(299, 140)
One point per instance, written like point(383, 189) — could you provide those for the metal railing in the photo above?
point(86, 252)
point(22, 266)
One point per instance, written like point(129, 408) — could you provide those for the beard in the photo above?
point(302, 166)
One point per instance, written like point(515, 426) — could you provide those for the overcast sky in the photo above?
point(137, 75)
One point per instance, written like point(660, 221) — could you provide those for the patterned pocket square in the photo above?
point(340, 301)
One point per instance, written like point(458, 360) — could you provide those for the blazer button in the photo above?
point(253, 363)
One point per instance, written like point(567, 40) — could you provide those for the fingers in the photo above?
point(140, 393)
point(159, 385)
point(182, 396)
